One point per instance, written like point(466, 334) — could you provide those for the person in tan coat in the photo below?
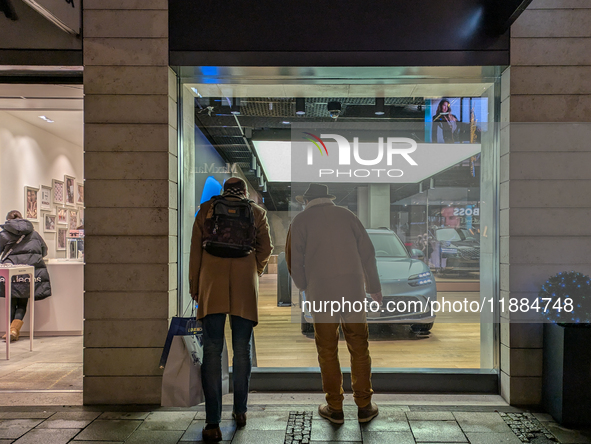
point(223, 286)
point(331, 258)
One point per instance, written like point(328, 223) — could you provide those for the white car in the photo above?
point(408, 286)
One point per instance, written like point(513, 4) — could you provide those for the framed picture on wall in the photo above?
point(31, 203)
point(49, 223)
point(81, 217)
point(79, 193)
point(72, 249)
point(60, 244)
point(70, 190)
point(62, 215)
point(45, 198)
point(72, 219)
point(57, 195)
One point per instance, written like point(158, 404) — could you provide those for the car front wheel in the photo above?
point(422, 328)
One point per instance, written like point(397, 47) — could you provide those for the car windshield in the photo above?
point(470, 234)
point(387, 245)
point(449, 234)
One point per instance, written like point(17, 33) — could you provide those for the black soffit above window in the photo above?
point(467, 30)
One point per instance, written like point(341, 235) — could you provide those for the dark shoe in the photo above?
point(334, 416)
point(212, 435)
point(368, 413)
point(240, 419)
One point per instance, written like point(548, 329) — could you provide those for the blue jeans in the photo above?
point(211, 370)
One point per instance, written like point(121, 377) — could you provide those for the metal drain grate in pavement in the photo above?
point(299, 428)
point(528, 428)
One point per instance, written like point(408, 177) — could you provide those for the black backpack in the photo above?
point(229, 229)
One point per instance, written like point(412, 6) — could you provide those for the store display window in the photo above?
point(432, 207)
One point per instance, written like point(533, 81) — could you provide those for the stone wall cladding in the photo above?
point(543, 172)
point(131, 177)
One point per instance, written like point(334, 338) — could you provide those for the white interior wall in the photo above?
point(30, 156)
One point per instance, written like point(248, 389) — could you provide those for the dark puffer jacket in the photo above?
point(29, 251)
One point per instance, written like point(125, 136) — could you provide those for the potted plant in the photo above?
point(566, 377)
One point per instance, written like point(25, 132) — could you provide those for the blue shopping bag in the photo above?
point(181, 326)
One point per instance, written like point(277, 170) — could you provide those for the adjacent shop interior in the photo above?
point(42, 176)
point(233, 123)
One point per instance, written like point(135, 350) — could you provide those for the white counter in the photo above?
point(62, 313)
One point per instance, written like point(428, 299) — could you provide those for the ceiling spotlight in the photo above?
point(253, 163)
point(47, 119)
point(236, 104)
point(261, 181)
point(379, 109)
point(258, 171)
point(300, 106)
point(334, 109)
point(421, 187)
point(285, 122)
point(265, 187)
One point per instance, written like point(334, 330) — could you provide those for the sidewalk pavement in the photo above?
point(290, 419)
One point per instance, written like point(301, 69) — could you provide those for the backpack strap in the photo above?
point(11, 245)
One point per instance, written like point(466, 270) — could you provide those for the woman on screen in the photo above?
point(445, 124)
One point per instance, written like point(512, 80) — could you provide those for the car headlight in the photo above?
point(417, 280)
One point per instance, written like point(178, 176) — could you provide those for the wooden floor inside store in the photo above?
point(280, 343)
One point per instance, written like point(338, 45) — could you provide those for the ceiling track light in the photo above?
point(253, 163)
point(421, 187)
point(379, 107)
point(261, 181)
point(259, 172)
point(334, 109)
point(236, 105)
point(300, 106)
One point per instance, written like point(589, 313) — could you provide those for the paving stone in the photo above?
point(392, 413)
point(193, 433)
point(388, 437)
point(544, 417)
point(168, 421)
point(25, 415)
point(385, 424)
point(15, 428)
point(124, 415)
point(481, 422)
point(69, 420)
point(95, 442)
point(225, 415)
point(259, 437)
point(324, 430)
point(48, 436)
point(111, 430)
point(437, 431)
point(493, 438)
point(271, 422)
point(430, 416)
point(155, 437)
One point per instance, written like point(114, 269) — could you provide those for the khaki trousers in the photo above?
point(327, 345)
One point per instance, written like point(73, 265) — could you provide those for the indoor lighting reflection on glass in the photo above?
point(47, 119)
point(275, 159)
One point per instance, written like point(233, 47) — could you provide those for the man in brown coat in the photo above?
point(331, 258)
point(224, 286)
